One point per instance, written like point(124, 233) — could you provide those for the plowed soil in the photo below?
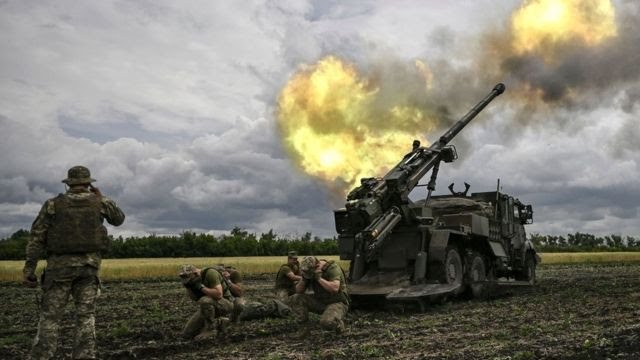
point(574, 312)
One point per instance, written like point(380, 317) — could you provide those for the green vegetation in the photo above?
point(581, 242)
point(242, 243)
point(189, 244)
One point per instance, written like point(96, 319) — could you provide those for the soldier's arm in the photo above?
point(331, 279)
point(332, 286)
point(236, 289)
point(215, 292)
point(111, 212)
point(36, 248)
point(234, 279)
point(293, 277)
point(301, 286)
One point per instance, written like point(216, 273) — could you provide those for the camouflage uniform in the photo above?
point(211, 315)
point(285, 287)
point(253, 310)
point(235, 278)
point(332, 307)
point(74, 274)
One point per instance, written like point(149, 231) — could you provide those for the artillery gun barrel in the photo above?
point(455, 129)
point(427, 161)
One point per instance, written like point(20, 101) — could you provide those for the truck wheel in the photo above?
point(528, 272)
point(453, 271)
point(476, 276)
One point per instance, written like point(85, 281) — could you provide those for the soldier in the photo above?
point(287, 277)
point(243, 310)
point(233, 280)
point(209, 289)
point(329, 297)
point(69, 233)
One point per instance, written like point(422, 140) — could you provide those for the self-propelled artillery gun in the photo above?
point(441, 246)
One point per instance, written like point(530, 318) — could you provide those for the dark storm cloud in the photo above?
point(606, 66)
point(172, 108)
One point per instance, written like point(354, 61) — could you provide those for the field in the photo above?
point(576, 311)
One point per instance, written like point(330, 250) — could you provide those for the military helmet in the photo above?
point(78, 175)
point(308, 267)
point(292, 254)
point(186, 270)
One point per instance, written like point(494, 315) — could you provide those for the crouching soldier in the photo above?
point(233, 281)
point(287, 277)
point(329, 297)
point(244, 310)
point(208, 288)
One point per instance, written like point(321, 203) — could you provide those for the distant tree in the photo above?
point(13, 247)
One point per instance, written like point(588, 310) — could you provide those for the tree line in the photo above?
point(578, 242)
point(240, 242)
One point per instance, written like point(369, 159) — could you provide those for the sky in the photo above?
point(174, 106)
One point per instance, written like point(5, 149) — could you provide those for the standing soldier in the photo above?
point(287, 277)
point(208, 288)
point(329, 297)
point(69, 233)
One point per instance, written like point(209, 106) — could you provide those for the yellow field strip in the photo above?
point(589, 257)
point(150, 268)
point(133, 269)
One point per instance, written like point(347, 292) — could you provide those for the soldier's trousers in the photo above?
point(283, 294)
point(271, 309)
point(205, 317)
point(332, 315)
point(56, 291)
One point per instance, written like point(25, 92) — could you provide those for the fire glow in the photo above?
point(335, 128)
point(545, 26)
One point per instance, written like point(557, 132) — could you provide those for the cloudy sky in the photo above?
point(173, 106)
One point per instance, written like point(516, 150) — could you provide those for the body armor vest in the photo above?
point(77, 226)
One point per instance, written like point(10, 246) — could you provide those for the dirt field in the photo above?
point(575, 312)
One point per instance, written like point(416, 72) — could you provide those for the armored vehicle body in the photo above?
point(401, 250)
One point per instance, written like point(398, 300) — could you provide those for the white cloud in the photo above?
point(171, 106)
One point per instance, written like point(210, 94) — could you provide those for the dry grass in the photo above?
point(155, 268)
point(589, 257)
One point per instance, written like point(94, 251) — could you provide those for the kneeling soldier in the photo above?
point(233, 280)
point(208, 288)
point(287, 277)
point(243, 310)
point(329, 297)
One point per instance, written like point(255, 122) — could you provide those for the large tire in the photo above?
point(476, 277)
point(528, 272)
point(453, 269)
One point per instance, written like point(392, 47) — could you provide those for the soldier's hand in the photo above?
point(318, 275)
point(30, 281)
point(95, 190)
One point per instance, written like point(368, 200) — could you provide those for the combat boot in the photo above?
point(340, 328)
point(238, 309)
point(223, 326)
point(208, 332)
point(205, 334)
point(282, 310)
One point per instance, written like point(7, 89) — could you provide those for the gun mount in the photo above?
point(395, 245)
